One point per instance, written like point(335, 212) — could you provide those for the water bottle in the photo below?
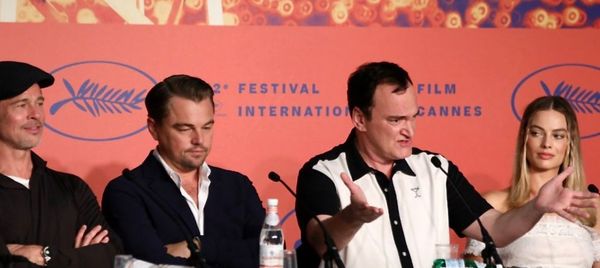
point(455, 263)
point(271, 238)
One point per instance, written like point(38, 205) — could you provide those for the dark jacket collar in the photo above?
point(152, 176)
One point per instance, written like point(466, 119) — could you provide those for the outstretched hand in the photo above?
point(569, 204)
point(359, 211)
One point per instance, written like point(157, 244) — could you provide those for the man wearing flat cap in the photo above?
point(47, 218)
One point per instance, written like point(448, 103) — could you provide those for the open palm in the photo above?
point(570, 204)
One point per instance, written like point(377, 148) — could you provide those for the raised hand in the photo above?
point(359, 211)
point(569, 204)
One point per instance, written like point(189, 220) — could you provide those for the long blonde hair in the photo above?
point(519, 191)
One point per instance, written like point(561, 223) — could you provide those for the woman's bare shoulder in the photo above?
point(498, 199)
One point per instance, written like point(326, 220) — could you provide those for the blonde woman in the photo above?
point(548, 142)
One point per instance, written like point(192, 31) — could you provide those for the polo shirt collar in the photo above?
point(357, 165)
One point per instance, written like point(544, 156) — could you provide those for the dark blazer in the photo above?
point(147, 210)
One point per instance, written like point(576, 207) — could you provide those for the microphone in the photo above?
point(332, 251)
point(489, 253)
point(275, 177)
point(592, 188)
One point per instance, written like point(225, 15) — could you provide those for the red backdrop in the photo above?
point(468, 81)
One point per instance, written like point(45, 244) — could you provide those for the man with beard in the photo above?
point(47, 218)
point(174, 208)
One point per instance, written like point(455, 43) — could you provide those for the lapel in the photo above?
point(153, 176)
point(41, 207)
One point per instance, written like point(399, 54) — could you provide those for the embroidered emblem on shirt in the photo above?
point(416, 190)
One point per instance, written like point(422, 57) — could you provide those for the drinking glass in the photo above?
point(123, 261)
point(289, 259)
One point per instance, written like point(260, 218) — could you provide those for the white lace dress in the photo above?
point(553, 242)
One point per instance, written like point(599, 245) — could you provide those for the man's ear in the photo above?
point(152, 128)
point(359, 119)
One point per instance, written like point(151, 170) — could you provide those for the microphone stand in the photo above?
point(489, 253)
point(331, 254)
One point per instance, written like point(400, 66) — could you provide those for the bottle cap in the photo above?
point(272, 202)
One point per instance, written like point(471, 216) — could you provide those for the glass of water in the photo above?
point(289, 259)
point(123, 261)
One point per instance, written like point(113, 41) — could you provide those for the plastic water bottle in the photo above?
point(271, 238)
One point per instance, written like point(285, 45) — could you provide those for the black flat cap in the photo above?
point(16, 77)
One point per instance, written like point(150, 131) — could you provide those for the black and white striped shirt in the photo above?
point(418, 208)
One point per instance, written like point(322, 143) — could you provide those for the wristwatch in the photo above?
point(46, 254)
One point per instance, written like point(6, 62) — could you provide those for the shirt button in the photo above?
point(385, 190)
point(395, 222)
point(404, 253)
